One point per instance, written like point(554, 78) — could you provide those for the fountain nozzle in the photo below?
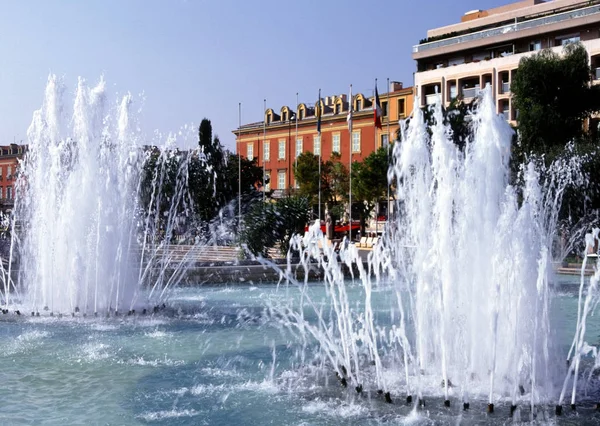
point(573, 407)
point(558, 410)
point(409, 399)
point(513, 408)
point(359, 389)
point(18, 312)
point(447, 403)
point(466, 406)
point(490, 408)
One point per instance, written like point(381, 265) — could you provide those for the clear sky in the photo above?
point(200, 58)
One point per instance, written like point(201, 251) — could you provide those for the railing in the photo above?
point(506, 114)
point(505, 29)
point(431, 99)
point(505, 87)
point(470, 92)
point(597, 74)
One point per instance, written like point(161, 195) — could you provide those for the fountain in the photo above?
point(87, 245)
point(469, 261)
point(453, 317)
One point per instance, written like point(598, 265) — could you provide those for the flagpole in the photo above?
point(264, 142)
point(240, 167)
point(350, 108)
point(388, 147)
point(320, 149)
point(296, 143)
point(375, 144)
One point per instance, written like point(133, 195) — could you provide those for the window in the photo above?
point(0, 175)
point(267, 181)
point(401, 108)
point(250, 151)
point(385, 140)
point(1, 192)
point(336, 109)
point(567, 39)
point(298, 147)
point(301, 114)
point(356, 141)
point(452, 90)
point(281, 154)
point(9, 192)
point(335, 143)
point(284, 116)
point(358, 104)
point(268, 118)
point(535, 46)
point(281, 180)
point(317, 145)
point(384, 108)
point(266, 150)
point(9, 172)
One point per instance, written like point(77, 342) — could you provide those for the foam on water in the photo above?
point(170, 414)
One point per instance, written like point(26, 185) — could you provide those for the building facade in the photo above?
point(10, 155)
point(277, 141)
point(486, 47)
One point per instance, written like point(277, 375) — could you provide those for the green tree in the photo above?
point(553, 96)
point(252, 176)
point(306, 172)
point(271, 223)
point(370, 183)
point(334, 183)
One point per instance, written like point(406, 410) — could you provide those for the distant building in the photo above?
point(276, 143)
point(487, 45)
point(10, 155)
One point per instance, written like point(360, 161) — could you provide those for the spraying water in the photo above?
point(85, 243)
point(469, 256)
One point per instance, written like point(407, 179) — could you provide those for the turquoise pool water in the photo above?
point(213, 356)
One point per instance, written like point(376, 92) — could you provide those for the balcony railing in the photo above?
point(505, 87)
point(505, 29)
point(431, 99)
point(470, 92)
point(597, 73)
point(506, 114)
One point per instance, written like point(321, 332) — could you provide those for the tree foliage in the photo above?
point(206, 179)
point(334, 183)
point(271, 223)
point(370, 182)
point(553, 96)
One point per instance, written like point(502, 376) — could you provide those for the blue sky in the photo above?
point(200, 58)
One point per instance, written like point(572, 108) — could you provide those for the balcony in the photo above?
point(505, 87)
point(597, 74)
point(506, 29)
point(431, 99)
point(470, 92)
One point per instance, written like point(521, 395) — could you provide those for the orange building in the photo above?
point(280, 138)
point(9, 163)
